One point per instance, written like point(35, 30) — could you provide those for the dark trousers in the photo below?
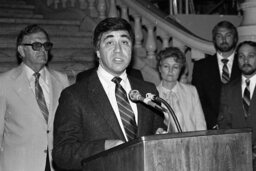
point(47, 165)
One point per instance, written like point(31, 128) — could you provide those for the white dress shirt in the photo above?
point(229, 64)
point(109, 87)
point(251, 87)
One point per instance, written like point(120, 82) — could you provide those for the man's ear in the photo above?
point(21, 51)
point(98, 54)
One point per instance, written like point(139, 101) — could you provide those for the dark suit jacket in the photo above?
point(206, 78)
point(231, 109)
point(85, 119)
point(131, 71)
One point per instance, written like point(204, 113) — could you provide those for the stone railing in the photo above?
point(153, 31)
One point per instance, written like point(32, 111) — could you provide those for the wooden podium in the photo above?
point(215, 150)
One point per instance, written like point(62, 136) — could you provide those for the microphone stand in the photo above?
point(154, 97)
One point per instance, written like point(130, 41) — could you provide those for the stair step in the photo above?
point(12, 11)
point(84, 55)
point(13, 31)
point(13, 26)
point(38, 21)
point(18, 2)
point(16, 15)
point(12, 5)
point(58, 42)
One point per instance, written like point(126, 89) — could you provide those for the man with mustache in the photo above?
point(212, 72)
point(238, 99)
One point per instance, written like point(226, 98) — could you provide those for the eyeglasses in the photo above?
point(36, 46)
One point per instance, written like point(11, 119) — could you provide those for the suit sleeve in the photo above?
point(70, 145)
point(224, 118)
point(198, 80)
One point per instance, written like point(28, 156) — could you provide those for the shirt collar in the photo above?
point(107, 77)
point(252, 80)
point(230, 58)
point(174, 89)
point(29, 73)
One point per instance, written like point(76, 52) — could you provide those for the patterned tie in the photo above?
point(40, 97)
point(246, 98)
point(225, 72)
point(126, 112)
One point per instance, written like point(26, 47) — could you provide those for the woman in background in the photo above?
point(183, 98)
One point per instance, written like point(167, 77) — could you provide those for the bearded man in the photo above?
point(212, 72)
point(238, 99)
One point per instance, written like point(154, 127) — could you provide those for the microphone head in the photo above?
point(135, 95)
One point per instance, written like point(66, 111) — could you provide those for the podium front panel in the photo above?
point(222, 150)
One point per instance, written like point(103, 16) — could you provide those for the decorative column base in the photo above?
point(247, 29)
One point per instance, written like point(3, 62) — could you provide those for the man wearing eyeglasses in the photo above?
point(28, 99)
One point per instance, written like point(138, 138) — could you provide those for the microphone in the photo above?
point(153, 97)
point(135, 95)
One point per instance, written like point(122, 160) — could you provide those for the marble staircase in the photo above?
point(72, 51)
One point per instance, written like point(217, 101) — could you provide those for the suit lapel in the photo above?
point(252, 109)
point(215, 69)
point(24, 90)
point(54, 91)
point(211, 66)
point(238, 93)
point(235, 69)
point(136, 86)
point(102, 105)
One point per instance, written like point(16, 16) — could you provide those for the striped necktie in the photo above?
point(125, 110)
point(225, 72)
point(40, 97)
point(246, 98)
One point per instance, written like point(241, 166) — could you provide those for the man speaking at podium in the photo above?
point(95, 114)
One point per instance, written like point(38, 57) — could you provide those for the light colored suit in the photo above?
point(24, 134)
point(184, 100)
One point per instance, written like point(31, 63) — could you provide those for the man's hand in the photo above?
point(161, 131)
point(112, 143)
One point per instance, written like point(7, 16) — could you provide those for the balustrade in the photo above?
point(147, 30)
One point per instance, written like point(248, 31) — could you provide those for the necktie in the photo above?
point(246, 98)
point(225, 72)
point(125, 110)
point(40, 97)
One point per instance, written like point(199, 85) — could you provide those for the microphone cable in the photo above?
point(158, 99)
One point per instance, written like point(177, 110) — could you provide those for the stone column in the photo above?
point(247, 29)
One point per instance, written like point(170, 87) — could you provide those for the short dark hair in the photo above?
point(250, 43)
point(31, 29)
point(28, 30)
point(225, 24)
point(111, 24)
point(172, 52)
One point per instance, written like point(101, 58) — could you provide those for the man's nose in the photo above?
point(246, 60)
point(117, 47)
point(224, 39)
point(42, 48)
